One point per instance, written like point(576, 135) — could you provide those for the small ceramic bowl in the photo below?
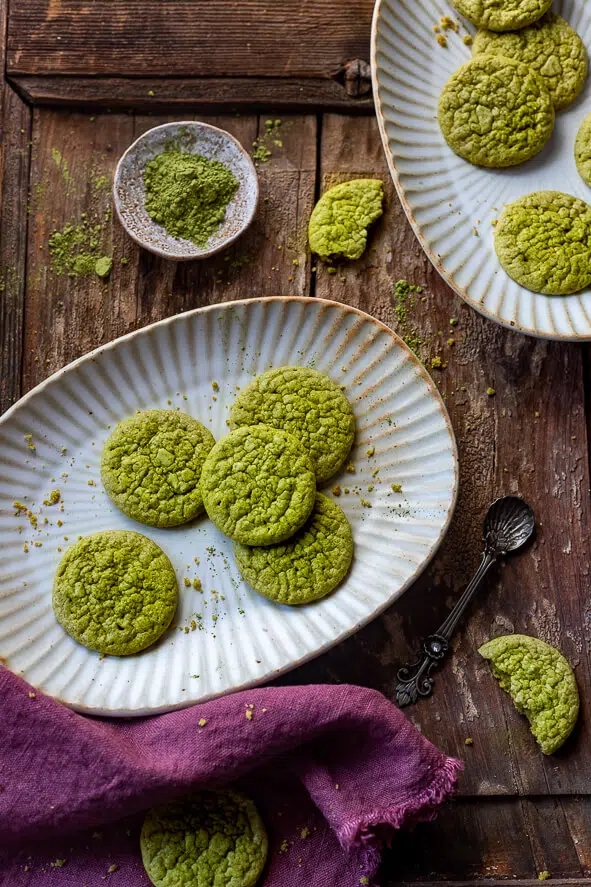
point(196, 138)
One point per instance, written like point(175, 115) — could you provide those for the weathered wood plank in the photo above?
point(531, 439)
point(494, 839)
point(261, 262)
point(74, 156)
point(307, 38)
point(15, 125)
point(209, 94)
point(67, 316)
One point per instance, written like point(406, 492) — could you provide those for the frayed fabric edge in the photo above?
point(418, 808)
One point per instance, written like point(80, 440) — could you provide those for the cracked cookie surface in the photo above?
point(540, 682)
point(151, 467)
point(115, 592)
point(309, 565)
point(258, 485)
point(502, 15)
point(340, 220)
point(495, 112)
point(543, 241)
point(551, 47)
point(304, 403)
point(583, 150)
point(207, 839)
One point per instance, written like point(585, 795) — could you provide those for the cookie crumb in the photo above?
point(202, 722)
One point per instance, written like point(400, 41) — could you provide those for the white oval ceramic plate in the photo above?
point(234, 638)
point(447, 199)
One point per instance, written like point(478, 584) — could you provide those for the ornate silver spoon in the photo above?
point(508, 525)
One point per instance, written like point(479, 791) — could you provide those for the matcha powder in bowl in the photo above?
point(185, 190)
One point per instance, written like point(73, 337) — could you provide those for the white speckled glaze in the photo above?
point(445, 197)
point(174, 363)
point(196, 138)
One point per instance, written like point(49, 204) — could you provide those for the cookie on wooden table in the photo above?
point(540, 682)
point(339, 223)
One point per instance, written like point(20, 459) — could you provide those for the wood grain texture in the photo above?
point(306, 38)
point(498, 838)
point(529, 439)
point(15, 126)
point(67, 316)
point(206, 94)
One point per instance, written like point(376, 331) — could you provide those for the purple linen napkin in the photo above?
point(333, 769)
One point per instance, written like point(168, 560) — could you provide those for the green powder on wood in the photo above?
point(188, 194)
point(75, 250)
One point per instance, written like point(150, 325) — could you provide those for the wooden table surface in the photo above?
point(84, 78)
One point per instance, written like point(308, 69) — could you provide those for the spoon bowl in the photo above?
point(509, 524)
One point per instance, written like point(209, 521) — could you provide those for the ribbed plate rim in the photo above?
point(516, 326)
point(399, 591)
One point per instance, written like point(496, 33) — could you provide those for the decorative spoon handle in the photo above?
point(414, 680)
point(508, 525)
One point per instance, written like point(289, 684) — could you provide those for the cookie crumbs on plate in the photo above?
point(441, 40)
point(350, 468)
point(187, 582)
point(448, 24)
point(467, 39)
point(370, 451)
point(396, 488)
point(53, 498)
point(336, 491)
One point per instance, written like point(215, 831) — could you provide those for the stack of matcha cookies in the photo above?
point(292, 427)
point(498, 110)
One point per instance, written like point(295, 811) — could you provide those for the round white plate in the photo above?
point(447, 199)
point(241, 638)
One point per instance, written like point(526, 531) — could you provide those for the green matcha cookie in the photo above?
point(151, 467)
point(306, 567)
point(502, 15)
point(550, 47)
point(208, 839)
point(258, 485)
point(495, 112)
point(583, 150)
point(304, 403)
point(339, 221)
point(115, 592)
point(543, 241)
point(540, 682)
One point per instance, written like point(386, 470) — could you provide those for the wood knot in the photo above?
point(355, 77)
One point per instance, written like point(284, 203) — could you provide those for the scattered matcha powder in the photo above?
point(543, 876)
point(202, 722)
point(396, 488)
point(188, 194)
point(58, 863)
point(261, 147)
point(30, 444)
point(53, 498)
point(469, 741)
point(491, 392)
point(103, 266)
